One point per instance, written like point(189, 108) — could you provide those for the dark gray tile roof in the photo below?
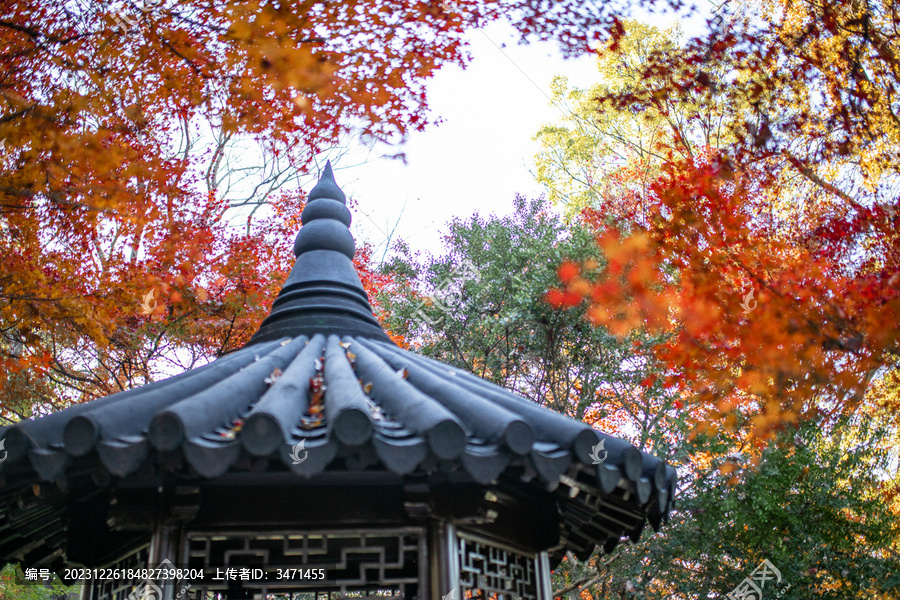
point(322, 379)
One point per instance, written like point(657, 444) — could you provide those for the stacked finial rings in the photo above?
point(326, 220)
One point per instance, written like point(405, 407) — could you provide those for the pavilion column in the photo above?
point(163, 554)
point(545, 588)
point(444, 562)
point(85, 590)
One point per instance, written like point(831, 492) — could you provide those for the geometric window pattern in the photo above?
point(120, 589)
point(356, 563)
point(489, 572)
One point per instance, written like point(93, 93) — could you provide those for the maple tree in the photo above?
point(771, 260)
point(609, 155)
point(123, 126)
point(766, 259)
point(480, 306)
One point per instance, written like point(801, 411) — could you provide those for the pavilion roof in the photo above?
point(321, 387)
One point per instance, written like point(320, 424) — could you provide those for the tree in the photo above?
point(767, 264)
point(15, 586)
point(117, 121)
point(211, 304)
point(813, 507)
point(603, 156)
point(773, 260)
point(480, 305)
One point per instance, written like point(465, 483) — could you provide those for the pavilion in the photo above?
point(320, 446)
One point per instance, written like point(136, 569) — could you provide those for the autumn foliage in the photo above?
point(750, 317)
point(133, 238)
point(771, 260)
point(120, 264)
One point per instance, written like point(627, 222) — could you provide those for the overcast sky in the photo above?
point(480, 156)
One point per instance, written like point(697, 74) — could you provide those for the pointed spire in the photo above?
point(323, 293)
point(327, 187)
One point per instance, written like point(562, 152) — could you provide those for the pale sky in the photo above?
point(480, 156)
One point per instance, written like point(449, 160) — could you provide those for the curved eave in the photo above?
point(381, 406)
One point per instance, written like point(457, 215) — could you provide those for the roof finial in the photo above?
point(326, 220)
point(323, 293)
point(327, 187)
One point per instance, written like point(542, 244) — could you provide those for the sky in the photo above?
point(482, 153)
point(478, 158)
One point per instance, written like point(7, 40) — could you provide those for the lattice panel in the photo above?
point(490, 572)
point(121, 589)
point(360, 563)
